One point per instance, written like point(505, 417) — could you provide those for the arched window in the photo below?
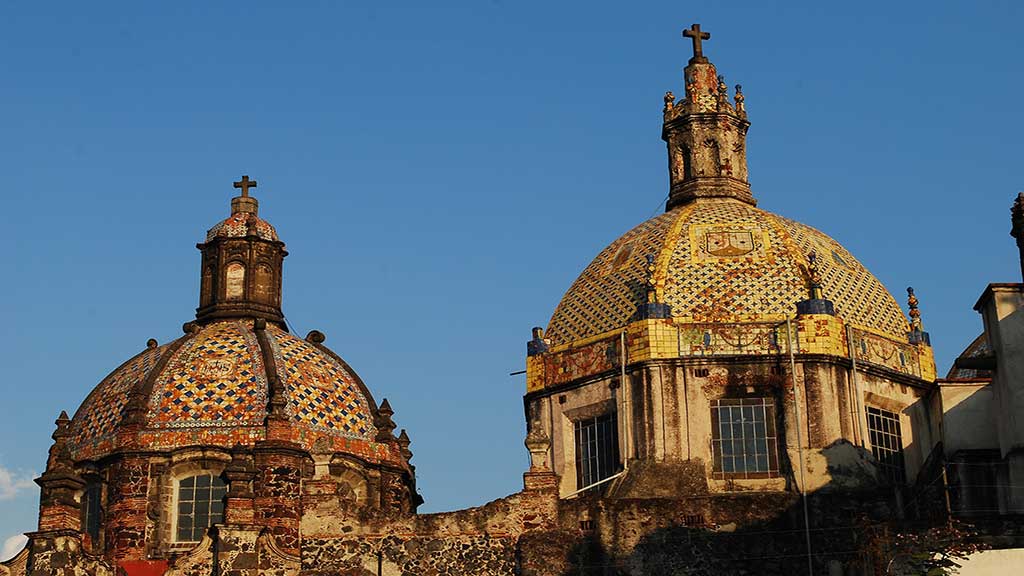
point(234, 279)
point(200, 505)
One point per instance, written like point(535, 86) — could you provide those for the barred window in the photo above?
point(743, 439)
point(200, 505)
point(597, 449)
point(887, 443)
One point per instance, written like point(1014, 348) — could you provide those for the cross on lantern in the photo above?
point(245, 184)
point(694, 33)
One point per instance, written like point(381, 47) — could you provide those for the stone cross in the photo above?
point(694, 33)
point(245, 184)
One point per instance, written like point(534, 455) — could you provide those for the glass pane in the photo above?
point(202, 481)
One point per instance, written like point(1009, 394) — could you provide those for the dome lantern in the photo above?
point(706, 135)
point(242, 265)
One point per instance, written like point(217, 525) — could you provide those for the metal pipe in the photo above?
point(858, 396)
point(627, 427)
point(799, 444)
point(598, 483)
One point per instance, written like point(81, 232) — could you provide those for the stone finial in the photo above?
point(1017, 231)
point(723, 92)
point(403, 445)
point(59, 459)
point(537, 443)
point(670, 101)
point(741, 106)
point(814, 274)
point(385, 425)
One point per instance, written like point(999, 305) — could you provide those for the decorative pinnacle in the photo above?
point(694, 33)
point(670, 100)
point(62, 423)
point(915, 314)
point(740, 106)
point(245, 184)
point(652, 295)
point(815, 275)
point(403, 445)
point(385, 425)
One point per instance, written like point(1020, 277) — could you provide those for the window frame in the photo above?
point(175, 511)
point(93, 509)
point(887, 421)
point(765, 406)
point(607, 445)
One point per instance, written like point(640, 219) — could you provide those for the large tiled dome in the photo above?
point(721, 260)
point(211, 387)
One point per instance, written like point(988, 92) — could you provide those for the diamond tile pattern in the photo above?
point(213, 389)
point(321, 392)
point(101, 412)
point(237, 226)
point(720, 260)
point(215, 379)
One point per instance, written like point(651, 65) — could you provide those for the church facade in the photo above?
point(721, 387)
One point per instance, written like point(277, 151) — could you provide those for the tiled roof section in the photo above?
point(605, 295)
point(979, 348)
point(858, 296)
point(215, 379)
point(237, 226)
point(212, 389)
point(102, 410)
point(321, 392)
point(720, 261)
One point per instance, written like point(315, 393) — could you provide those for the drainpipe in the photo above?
point(626, 392)
point(799, 444)
point(858, 395)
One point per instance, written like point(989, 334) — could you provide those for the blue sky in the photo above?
point(442, 171)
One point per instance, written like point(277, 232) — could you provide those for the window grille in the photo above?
point(744, 442)
point(887, 443)
point(200, 505)
point(597, 449)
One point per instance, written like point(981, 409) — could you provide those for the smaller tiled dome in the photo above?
point(213, 387)
point(243, 224)
point(978, 349)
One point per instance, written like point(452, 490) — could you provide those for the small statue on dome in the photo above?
point(740, 106)
point(670, 100)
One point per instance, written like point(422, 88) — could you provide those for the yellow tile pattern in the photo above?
point(720, 261)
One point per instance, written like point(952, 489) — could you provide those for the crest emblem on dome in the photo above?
point(729, 243)
point(217, 367)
